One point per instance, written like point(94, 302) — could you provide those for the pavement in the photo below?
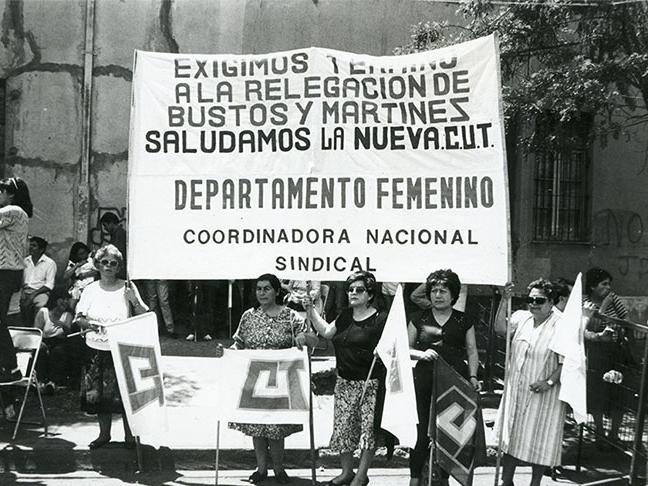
point(187, 456)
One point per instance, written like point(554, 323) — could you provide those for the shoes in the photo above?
point(207, 337)
point(190, 337)
point(98, 442)
point(282, 478)
point(256, 477)
point(48, 388)
point(345, 482)
point(7, 376)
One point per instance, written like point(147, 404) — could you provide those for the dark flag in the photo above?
point(460, 439)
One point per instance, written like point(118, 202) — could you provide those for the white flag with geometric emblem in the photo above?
point(135, 348)
point(399, 414)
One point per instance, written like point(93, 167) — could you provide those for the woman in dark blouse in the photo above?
point(439, 331)
point(355, 333)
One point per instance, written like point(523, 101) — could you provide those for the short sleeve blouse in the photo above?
point(354, 343)
point(450, 342)
point(258, 330)
point(103, 306)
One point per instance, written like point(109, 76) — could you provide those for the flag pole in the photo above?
point(229, 307)
point(366, 383)
point(138, 450)
point(216, 465)
point(433, 458)
point(311, 426)
point(503, 416)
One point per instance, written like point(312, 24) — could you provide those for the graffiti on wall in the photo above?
point(626, 233)
point(99, 237)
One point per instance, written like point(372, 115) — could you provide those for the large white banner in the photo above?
point(264, 386)
point(314, 163)
point(135, 349)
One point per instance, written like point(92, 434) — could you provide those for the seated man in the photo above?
point(38, 280)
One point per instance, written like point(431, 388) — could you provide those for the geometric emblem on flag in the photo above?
point(393, 375)
point(139, 398)
point(262, 388)
point(456, 422)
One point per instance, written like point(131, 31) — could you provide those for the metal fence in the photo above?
point(622, 426)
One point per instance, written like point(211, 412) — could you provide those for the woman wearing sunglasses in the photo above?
point(530, 414)
point(438, 331)
point(355, 333)
point(109, 299)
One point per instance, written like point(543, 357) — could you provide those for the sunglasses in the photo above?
point(356, 290)
point(536, 300)
point(109, 263)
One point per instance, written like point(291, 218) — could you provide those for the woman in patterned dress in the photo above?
point(438, 331)
point(531, 415)
point(355, 332)
point(269, 326)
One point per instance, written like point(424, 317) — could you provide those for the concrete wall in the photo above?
point(42, 60)
point(619, 222)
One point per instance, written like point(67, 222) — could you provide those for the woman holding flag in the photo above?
point(269, 326)
point(355, 333)
point(109, 299)
point(438, 331)
point(531, 416)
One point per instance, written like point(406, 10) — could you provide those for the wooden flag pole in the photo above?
point(216, 465)
point(138, 450)
point(503, 417)
point(311, 423)
point(366, 383)
point(229, 307)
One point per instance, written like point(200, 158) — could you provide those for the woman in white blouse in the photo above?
point(109, 299)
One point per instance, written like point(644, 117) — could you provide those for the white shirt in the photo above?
point(41, 274)
point(102, 307)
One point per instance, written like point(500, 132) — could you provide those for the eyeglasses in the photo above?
point(536, 300)
point(356, 290)
point(109, 263)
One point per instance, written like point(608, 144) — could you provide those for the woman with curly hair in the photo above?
point(355, 332)
point(109, 299)
point(531, 416)
point(438, 331)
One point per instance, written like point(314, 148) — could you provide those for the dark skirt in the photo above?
point(99, 374)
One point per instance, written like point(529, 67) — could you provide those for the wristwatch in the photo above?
point(550, 382)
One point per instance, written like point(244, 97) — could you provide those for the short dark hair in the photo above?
point(274, 282)
point(543, 284)
point(448, 279)
point(595, 276)
point(20, 192)
point(76, 246)
point(108, 218)
point(40, 242)
point(367, 278)
point(56, 294)
point(562, 288)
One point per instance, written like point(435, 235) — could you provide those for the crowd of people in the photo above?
point(351, 314)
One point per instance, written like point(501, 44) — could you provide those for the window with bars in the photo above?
point(561, 209)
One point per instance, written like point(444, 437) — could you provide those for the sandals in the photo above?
point(98, 442)
point(256, 477)
point(343, 483)
point(282, 478)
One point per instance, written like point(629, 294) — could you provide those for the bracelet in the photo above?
point(473, 376)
